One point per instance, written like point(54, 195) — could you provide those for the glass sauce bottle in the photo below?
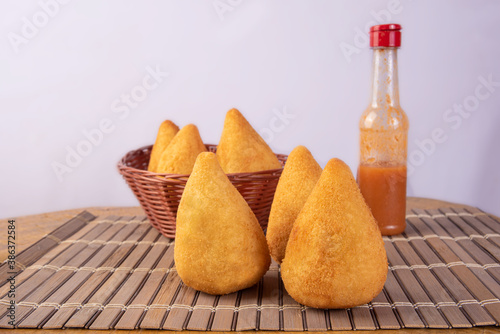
point(384, 136)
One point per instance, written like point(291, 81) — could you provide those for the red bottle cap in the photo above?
point(385, 35)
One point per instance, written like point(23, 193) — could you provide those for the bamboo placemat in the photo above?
point(118, 272)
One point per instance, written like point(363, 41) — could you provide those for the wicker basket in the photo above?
point(159, 196)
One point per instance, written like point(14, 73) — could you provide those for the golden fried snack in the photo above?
point(241, 149)
point(219, 245)
point(335, 256)
point(298, 179)
point(181, 153)
point(166, 133)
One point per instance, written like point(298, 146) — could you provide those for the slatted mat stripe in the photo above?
point(44, 245)
point(119, 273)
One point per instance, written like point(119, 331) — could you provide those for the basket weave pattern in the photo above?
point(159, 194)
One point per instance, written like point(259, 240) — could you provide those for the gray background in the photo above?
point(66, 66)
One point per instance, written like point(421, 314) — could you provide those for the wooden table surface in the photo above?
point(30, 229)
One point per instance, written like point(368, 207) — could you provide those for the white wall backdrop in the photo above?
point(113, 70)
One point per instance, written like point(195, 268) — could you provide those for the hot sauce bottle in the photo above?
point(384, 136)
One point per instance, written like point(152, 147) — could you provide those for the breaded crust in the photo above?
point(299, 176)
point(219, 245)
point(166, 133)
point(241, 149)
point(335, 256)
point(180, 155)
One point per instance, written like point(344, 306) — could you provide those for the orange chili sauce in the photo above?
point(384, 190)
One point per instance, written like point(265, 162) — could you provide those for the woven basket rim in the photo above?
point(159, 193)
point(123, 165)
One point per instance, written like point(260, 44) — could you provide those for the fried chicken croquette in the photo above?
point(241, 149)
point(166, 133)
point(219, 245)
point(335, 256)
point(300, 174)
point(180, 155)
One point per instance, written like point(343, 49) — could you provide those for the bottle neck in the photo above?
point(385, 91)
